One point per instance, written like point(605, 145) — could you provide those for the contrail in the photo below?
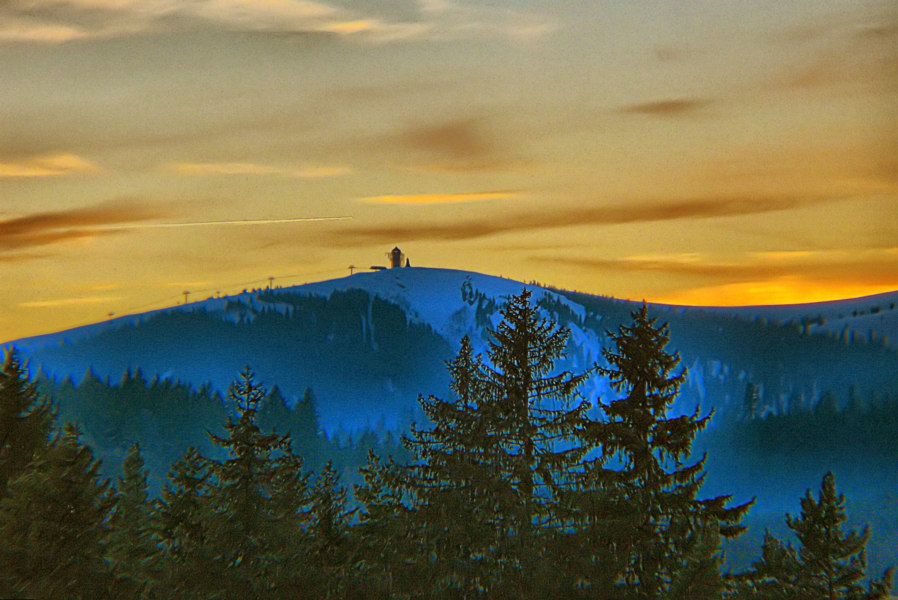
point(211, 223)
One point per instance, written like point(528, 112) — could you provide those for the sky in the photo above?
point(691, 152)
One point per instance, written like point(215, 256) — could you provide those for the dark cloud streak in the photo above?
point(596, 216)
point(667, 108)
point(868, 269)
point(41, 229)
point(460, 139)
point(724, 271)
point(473, 143)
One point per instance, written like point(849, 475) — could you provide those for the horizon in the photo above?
point(688, 154)
point(163, 306)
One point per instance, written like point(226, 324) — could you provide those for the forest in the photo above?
point(513, 486)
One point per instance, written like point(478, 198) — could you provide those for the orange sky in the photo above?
point(689, 152)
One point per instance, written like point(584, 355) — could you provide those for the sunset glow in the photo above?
point(689, 153)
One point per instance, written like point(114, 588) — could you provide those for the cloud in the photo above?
point(185, 285)
point(854, 50)
point(469, 143)
point(63, 302)
point(667, 108)
point(103, 287)
point(460, 139)
point(858, 268)
point(839, 69)
point(239, 168)
point(233, 222)
point(700, 208)
point(378, 31)
point(320, 172)
point(66, 20)
point(19, 257)
point(69, 20)
point(753, 278)
point(13, 31)
point(485, 166)
point(210, 169)
point(20, 234)
point(690, 266)
point(461, 20)
point(887, 30)
point(41, 229)
point(55, 165)
point(460, 145)
point(671, 53)
point(441, 198)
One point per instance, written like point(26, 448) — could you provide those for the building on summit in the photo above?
point(397, 260)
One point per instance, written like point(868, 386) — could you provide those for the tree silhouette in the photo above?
point(257, 496)
point(182, 520)
point(651, 494)
point(25, 420)
point(479, 502)
point(133, 543)
point(54, 524)
point(829, 563)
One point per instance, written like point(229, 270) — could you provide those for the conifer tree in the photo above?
point(133, 541)
point(54, 523)
point(387, 548)
point(491, 467)
point(25, 420)
point(329, 509)
point(306, 433)
point(274, 414)
point(257, 497)
point(651, 494)
point(456, 483)
point(533, 407)
point(774, 575)
point(182, 520)
point(830, 563)
point(307, 415)
point(329, 532)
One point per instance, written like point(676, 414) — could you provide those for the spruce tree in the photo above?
point(328, 550)
point(258, 495)
point(774, 575)
point(456, 483)
point(494, 461)
point(387, 545)
point(54, 523)
point(182, 520)
point(329, 510)
point(829, 564)
point(536, 409)
point(650, 494)
point(274, 414)
point(306, 430)
point(133, 542)
point(25, 420)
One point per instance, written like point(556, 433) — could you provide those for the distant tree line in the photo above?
point(514, 488)
point(855, 425)
point(167, 417)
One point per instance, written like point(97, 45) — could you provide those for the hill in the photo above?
point(870, 317)
point(368, 344)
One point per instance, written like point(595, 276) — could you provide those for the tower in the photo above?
point(396, 258)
